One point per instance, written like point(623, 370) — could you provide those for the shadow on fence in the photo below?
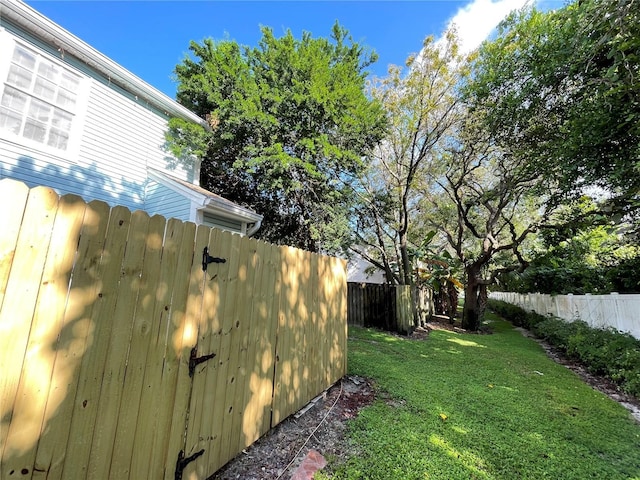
point(123, 358)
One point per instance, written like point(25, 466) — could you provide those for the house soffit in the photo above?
point(206, 200)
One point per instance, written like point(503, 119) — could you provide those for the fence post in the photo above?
point(404, 308)
point(614, 296)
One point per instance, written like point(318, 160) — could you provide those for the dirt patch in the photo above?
point(319, 426)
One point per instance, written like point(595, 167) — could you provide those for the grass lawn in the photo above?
point(457, 406)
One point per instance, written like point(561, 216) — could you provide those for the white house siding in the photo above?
point(115, 137)
point(35, 168)
point(34, 163)
point(164, 201)
point(361, 271)
point(124, 138)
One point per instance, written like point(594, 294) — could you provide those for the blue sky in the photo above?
point(149, 38)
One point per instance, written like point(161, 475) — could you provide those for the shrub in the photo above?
point(533, 319)
point(559, 332)
point(509, 311)
point(516, 315)
point(588, 346)
point(626, 371)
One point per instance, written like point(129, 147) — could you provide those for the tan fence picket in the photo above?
point(244, 324)
point(146, 309)
point(74, 340)
point(285, 393)
point(100, 311)
point(115, 362)
point(20, 376)
point(183, 332)
point(203, 389)
point(16, 194)
point(259, 374)
point(337, 299)
point(154, 403)
point(262, 388)
point(93, 365)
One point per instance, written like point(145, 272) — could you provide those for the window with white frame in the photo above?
point(39, 99)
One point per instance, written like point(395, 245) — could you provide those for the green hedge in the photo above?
point(603, 352)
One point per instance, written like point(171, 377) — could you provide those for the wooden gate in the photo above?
point(124, 357)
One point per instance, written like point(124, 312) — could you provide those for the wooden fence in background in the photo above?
point(122, 358)
point(387, 307)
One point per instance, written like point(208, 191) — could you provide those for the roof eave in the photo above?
point(219, 206)
point(236, 210)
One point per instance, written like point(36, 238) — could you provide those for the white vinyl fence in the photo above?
point(621, 312)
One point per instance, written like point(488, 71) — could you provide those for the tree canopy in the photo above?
point(592, 255)
point(466, 162)
point(290, 124)
point(562, 89)
point(421, 104)
point(546, 111)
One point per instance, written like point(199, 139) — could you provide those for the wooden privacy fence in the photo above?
point(121, 358)
point(387, 307)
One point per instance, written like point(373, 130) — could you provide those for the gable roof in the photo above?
point(204, 198)
point(22, 15)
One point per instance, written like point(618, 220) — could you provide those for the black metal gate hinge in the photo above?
point(183, 462)
point(207, 259)
point(194, 360)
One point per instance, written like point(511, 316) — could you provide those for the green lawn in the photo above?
point(481, 406)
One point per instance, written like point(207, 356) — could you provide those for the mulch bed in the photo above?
point(322, 428)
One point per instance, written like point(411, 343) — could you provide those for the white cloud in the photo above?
point(476, 20)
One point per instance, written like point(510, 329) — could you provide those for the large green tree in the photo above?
point(482, 205)
point(552, 111)
point(422, 106)
point(290, 124)
point(562, 89)
point(590, 254)
point(438, 179)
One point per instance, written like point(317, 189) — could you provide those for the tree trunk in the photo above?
point(406, 263)
point(407, 276)
point(452, 301)
point(470, 311)
point(483, 299)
